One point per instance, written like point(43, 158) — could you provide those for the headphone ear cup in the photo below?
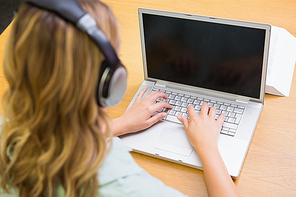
point(117, 87)
point(104, 72)
point(111, 85)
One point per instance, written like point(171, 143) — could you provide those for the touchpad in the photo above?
point(174, 140)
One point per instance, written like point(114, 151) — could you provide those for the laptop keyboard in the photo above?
point(233, 113)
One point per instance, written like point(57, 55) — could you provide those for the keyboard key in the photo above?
point(231, 114)
point(197, 107)
point(183, 109)
point(184, 99)
point(190, 100)
point(178, 103)
point(231, 120)
point(223, 107)
point(180, 94)
point(230, 125)
point(178, 108)
point(217, 106)
point(172, 102)
point(237, 118)
point(232, 130)
point(172, 112)
point(184, 105)
point(230, 108)
point(177, 98)
point(238, 110)
point(171, 96)
point(196, 102)
point(172, 118)
point(224, 131)
point(178, 114)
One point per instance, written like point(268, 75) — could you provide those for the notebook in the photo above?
point(196, 59)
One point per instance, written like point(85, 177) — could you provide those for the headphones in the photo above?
point(112, 82)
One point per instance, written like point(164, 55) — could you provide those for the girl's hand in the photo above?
point(202, 130)
point(138, 116)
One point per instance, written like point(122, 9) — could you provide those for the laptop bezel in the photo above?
point(266, 27)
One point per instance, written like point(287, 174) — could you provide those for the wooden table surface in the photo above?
point(270, 165)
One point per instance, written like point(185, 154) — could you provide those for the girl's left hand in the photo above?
point(138, 116)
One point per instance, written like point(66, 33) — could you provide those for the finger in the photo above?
point(153, 97)
point(212, 112)
point(204, 109)
point(156, 118)
point(184, 121)
point(159, 106)
point(191, 111)
point(221, 119)
point(141, 94)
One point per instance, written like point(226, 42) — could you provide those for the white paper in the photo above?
point(281, 62)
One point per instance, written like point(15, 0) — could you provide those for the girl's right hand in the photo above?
point(202, 130)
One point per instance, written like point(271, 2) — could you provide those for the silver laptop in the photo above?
point(196, 59)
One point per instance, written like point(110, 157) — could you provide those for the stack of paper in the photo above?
point(281, 62)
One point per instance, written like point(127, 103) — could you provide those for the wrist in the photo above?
point(207, 149)
point(119, 127)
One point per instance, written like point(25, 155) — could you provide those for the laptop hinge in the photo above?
point(160, 84)
point(244, 101)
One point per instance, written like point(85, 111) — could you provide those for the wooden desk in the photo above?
point(270, 166)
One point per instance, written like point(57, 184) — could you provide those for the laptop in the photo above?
point(196, 59)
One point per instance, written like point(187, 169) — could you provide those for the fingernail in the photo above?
point(164, 115)
point(179, 118)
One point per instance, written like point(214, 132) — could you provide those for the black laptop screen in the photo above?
point(208, 55)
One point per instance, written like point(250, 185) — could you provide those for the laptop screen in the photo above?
point(208, 55)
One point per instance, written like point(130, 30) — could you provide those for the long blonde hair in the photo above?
point(52, 129)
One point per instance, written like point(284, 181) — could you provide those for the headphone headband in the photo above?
point(67, 9)
point(88, 24)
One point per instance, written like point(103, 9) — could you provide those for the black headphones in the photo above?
point(112, 82)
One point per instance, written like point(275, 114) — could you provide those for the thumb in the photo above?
point(184, 121)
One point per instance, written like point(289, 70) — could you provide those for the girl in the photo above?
point(56, 141)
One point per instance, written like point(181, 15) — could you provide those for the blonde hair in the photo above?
point(51, 124)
